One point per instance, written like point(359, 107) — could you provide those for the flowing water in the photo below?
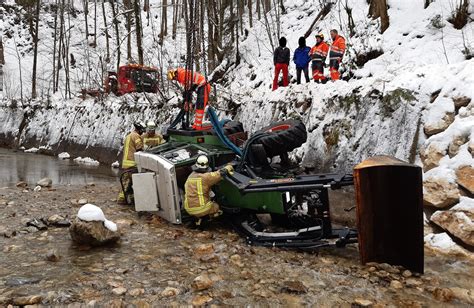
point(154, 257)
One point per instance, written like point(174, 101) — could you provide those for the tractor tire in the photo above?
point(233, 127)
point(282, 137)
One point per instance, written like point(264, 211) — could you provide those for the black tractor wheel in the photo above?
point(282, 137)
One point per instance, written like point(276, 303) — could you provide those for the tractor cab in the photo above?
point(132, 78)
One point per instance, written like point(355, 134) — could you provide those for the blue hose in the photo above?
point(218, 128)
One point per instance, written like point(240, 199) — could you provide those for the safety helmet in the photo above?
point(171, 74)
point(202, 163)
point(320, 35)
point(150, 124)
point(139, 126)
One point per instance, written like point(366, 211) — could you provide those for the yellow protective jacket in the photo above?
point(197, 188)
point(151, 141)
point(133, 143)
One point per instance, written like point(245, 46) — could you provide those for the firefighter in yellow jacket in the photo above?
point(198, 186)
point(151, 138)
point(133, 143)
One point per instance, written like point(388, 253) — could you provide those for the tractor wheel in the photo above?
point(282, 137)
point(233, 127)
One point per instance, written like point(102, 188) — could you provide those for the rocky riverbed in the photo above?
point(158, 263)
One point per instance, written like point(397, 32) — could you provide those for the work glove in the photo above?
point(227, 170)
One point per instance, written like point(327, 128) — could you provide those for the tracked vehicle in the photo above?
point(296, 201)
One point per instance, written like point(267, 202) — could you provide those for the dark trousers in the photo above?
point(298, 74)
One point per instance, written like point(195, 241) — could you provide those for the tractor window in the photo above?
point(145, 81)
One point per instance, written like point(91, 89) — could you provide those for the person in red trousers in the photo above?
point(281, 59)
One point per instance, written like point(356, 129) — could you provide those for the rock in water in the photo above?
point(45, 182)
point(92, 233)
point(202, 282)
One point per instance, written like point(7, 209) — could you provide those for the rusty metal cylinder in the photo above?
point(389, 195)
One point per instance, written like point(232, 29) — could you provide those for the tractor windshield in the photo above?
point(145, 80)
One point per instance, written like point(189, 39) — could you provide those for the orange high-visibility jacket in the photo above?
point(338, 47)
point(319, 52)
point(184, 76)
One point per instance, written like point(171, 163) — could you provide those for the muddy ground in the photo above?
point(158, 263)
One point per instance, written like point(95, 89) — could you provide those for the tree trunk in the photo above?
point(138, 31)
point(259, 13)
point(164, 20)
point(249, 4)
point(127, 7)
point(55, 40)
point(95, 23)
point(35, 52)
point(175, 18)
point(117, 33)
point(85, 4)
point(378, 8)
point(107, 44)
point(60, 44)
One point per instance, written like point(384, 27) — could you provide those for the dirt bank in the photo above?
point(157, 263)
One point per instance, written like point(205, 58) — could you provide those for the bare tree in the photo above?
point(249, 5)
point(35, 49)
point(128, 17)
point(138, 31)
point(117, 32)
point(378, 8)
point(107, 44)
point(164, 20)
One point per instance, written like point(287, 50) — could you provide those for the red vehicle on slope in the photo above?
point(132, 78)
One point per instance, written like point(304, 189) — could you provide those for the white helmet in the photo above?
point(202, 162)
point(150, 126)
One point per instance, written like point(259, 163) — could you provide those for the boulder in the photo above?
point(27, 300)
point(459, 220)
point(442, 243)
point(456, 144)
point(440, 125)
point(201, 300)
point(461, 101)
point(170, 292)
point(92, 233)
point(440, 193)
point(431, 156)
point(202, 282)
point(45, 182)
point(465, 178)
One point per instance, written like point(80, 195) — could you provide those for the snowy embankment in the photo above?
point(80, 127)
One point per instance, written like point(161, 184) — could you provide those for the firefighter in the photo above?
point(318, 55)
point(281, 60)
point(193, 82)
point(150, 138)
point(133, 143)
point(338, 48)
point(198, 186)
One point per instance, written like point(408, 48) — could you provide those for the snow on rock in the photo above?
point(32, 150)
point(115, 164)
point(64, 155)
point(439, 188)
point(439, 116)
point(443, 243)
point(459, 220)
point(86, 161)
point(90, 212)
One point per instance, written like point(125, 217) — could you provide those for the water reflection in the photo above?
point(18, 166)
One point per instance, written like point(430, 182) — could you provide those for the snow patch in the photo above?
point(86, 161)
point(32, 150)
point(465, 204)
point(64, 155)
point(115, 164)
point(91, 212)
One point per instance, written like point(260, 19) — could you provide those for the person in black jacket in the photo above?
point(281, 59)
